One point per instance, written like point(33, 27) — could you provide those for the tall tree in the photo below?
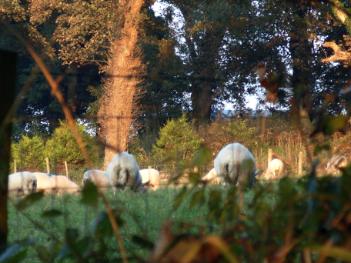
point(125, 70)
point(203, 33)
point(73, 38)
point(164, 84)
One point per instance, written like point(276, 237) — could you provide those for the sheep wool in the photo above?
point(212, 177)
point(236, 165)
point(150, 177)
point(123, 171)
point(22, 182)
point(275, 169)
point(98, 177)
point(44, 182)
point(61, 184)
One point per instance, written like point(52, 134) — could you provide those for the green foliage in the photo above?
point(28, 153)
point(222, 132)
point(62, 146)
point(137, 148)
point(240, 131)
point(177, 144)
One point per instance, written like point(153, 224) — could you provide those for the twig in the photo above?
point(115, 227)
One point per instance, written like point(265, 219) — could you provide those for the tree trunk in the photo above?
point(202, 97)
point(204, 81)
point(7, 78)
point(124, 69)
point(301, 52)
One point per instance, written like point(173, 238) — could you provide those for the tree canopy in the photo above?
point(199, 56)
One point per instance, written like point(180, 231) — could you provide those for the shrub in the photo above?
point(222, 132)
point(176, 144)
point(137, 148)
point(29, 153)
point(62, 146)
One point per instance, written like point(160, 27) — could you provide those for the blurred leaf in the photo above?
point(14, 253)
point(101, 226)
point(90, 194)
point(334, 252)
point(192, 250)
point(52, 213)
point(29, 200)
point(143, 242)
point(222, 246)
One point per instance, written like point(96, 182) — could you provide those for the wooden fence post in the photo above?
point(8, 85)
point(47, 165)
point(270, 154)
point(66, 167)
point(300, 164)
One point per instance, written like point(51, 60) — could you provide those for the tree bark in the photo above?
point(301, 53)
point(125, 68)
point(7, 78)
point(204, 81)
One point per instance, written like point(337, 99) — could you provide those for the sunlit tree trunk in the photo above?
point(125, 69)
point(7, 83)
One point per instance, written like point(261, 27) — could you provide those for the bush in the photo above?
point(137, 148)
point(177, 144)
point(62, 146)
point(29, 153)
point(222, 132)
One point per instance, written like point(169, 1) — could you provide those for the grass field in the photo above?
point(287, 216)
point(142, 215)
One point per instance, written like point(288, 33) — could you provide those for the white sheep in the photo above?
point(22, 182)
point(236, 165)
point(150, 178)
point(44, 182)
point(98, 177)
point(274, 170)
point(123, 171)
point(61, 184)
point(335, 164)
point(212, 177)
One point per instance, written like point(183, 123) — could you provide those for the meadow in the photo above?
point(281, 221)
point(141, 216)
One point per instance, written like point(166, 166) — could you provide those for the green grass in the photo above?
point(258, 220)
point(142, 215)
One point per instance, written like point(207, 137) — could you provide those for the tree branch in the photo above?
point(339, 54)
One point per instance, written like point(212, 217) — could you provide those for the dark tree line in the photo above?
point(220, 51)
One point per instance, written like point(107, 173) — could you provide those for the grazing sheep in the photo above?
point(61, 184)
point(150, 178)
point(22, 183)
point(97, 177)
point(212, 177)
point(123, 171)
point(236, 165)
point(44, 182)
point(335, 164)
point(274, 170)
